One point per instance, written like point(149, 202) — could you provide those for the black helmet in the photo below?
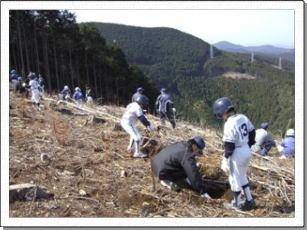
point(221, 106)
point(264, 125)
point(140, 90)
point(142, 101)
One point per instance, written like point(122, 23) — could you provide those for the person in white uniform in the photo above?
point(264, 140)
point(134, 112)
point(239, 136)
point(35, 93)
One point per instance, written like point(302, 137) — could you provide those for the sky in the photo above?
point(242, 27)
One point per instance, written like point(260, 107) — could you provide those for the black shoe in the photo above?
point(248, 205)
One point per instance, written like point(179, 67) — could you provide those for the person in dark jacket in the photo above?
point(176, 164)
point(138, 93)
point(165, 108)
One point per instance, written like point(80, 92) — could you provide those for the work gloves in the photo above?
point(225, 165)
point(205, 195)
point(174, 110)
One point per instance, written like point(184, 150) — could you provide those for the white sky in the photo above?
point(243, 27)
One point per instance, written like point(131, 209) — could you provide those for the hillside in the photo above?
point(90, 174)
point(182, 63)
point(162, 53)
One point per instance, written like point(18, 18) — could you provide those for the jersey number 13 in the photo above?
point(243, 130)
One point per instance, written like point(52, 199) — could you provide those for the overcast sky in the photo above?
point(243, 27)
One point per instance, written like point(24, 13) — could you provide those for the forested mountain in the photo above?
point(182, 63)
point(50, 42)
point(265, 50)
point(162, 53)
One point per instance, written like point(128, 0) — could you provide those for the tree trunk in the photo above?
point(46, 62)
point(26, 49)
point(95, 80)
point(63, 76)
point(100, 83)
point(36, 48)
point(86, 69)
point(56, 66)
point(20, 48)
point(77, 73)
point(13, 57)
point(71, 68)
point(116, 88)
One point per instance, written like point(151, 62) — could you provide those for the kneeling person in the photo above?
point(176, 164)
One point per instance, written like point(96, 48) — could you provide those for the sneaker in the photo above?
point(248, 205)
point(170, 185)
point(140, 155)
point(231, 205)
point(130, 149)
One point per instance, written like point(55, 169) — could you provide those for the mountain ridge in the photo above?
point(270, 50)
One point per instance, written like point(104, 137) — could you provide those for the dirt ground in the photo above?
point(91, 174)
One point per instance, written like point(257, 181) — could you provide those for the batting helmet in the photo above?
point(140, 90)
point(142, 101)
point(221, 106)
point(163, 90)
point(264, 125)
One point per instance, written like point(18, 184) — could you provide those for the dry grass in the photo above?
point(91, 157)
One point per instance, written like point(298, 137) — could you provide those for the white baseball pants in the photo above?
point(239, 161)
point(35, 96)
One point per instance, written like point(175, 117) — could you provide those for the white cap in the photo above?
point(290, 132)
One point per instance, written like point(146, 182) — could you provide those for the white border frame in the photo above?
point(298, 220)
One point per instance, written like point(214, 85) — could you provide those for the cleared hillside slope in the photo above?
point(91, 174)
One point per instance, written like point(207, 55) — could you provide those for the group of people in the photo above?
point(265, 141)
point(33, 83)
point(176, 164)
point(77, 96)
point(164, 106)
point(135, 111)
